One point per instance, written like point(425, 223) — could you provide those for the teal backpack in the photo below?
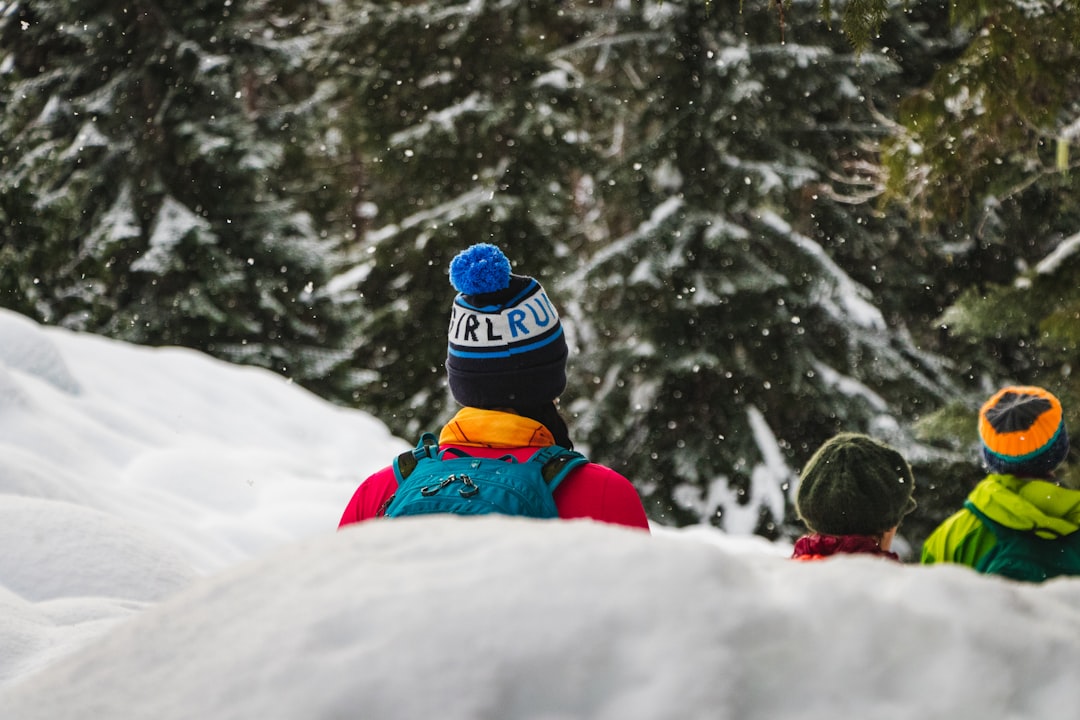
point(1023, 555)
point(431, 480)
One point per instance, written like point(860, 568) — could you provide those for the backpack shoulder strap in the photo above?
point(405, 463)
point(556, 462)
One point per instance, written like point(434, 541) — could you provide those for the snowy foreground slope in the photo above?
point(169, 551)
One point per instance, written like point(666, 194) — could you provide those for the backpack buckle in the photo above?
point(470, 488)
point(428, 490)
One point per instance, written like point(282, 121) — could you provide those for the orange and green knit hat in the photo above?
point(1022, 429)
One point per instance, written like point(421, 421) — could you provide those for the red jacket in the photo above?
point(591, 491)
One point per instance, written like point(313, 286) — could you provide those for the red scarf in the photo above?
point(817, 547)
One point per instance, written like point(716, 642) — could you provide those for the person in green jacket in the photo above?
point(1024, 440)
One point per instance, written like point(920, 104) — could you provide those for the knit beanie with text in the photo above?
point(506, 345)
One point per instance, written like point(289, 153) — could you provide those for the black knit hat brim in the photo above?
point(512, 387)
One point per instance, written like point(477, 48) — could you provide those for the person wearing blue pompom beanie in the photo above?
point(506, 345)
point(506, 365)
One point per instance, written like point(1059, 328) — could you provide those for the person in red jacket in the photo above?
point(506, 365)
point(852, 495)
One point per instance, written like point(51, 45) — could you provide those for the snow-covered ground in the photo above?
point(169, 550)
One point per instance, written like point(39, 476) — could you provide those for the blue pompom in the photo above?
point(480, 269)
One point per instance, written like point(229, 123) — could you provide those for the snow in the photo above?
point(559, 78)
point(772, 476)
point(733, 55)
point(1062, 253)
point(119, 223)
point(1070, 132)
point(850, 387)
point(844, 298)
point(443, 120)
point(87, 137)
point(741, 509)
point(170, 551)
point(173, 222)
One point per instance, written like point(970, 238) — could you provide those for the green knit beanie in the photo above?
point(855, 485)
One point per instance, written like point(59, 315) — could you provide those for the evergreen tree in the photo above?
point(1024, 332)
point(143, 151)
point(987, 150)
point(722, 335)
point(997, 121)
point(468, 127)
point(983, 154)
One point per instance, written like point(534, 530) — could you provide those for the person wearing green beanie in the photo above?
point(853, 494)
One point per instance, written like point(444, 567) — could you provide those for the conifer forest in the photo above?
point(763, 221)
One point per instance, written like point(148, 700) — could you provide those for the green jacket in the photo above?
point(1048, 509)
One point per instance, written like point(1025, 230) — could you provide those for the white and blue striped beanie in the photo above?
point(506, 345)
